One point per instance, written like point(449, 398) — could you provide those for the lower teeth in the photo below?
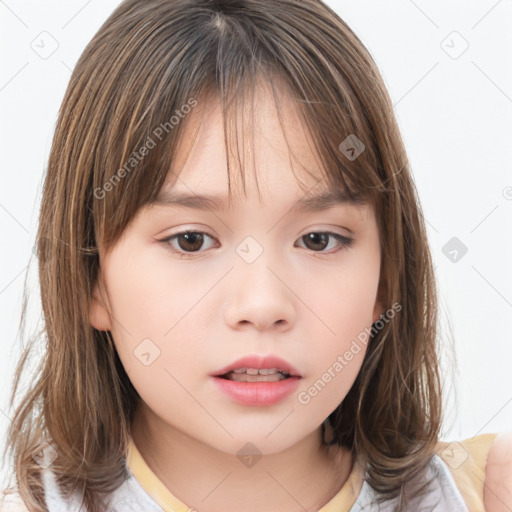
point(245, 377)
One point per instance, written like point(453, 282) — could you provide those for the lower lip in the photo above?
point(258, 394)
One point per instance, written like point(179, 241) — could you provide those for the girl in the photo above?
point(238, 294)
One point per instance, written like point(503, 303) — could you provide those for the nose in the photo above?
point(260, 296)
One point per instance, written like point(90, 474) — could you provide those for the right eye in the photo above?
point(189, 242)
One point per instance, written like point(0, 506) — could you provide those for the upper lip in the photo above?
point(259, 361)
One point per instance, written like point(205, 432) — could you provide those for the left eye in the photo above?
point(319, 238)
point(191, 241)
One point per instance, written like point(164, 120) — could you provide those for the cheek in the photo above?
point(342, 295)
point(343, 302)
point(147, 297)
point(336, 353)
point(155, 322)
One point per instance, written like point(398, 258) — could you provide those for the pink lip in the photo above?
point(259, 361)
point(257, 393)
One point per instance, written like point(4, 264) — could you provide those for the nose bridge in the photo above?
point(259, 295)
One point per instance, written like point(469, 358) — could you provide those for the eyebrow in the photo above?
point(322, 201)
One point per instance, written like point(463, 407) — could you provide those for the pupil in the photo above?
point(314, 237)
point(191, 236)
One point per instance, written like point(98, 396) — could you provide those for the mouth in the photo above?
point(258, 368)
point(256, 375)
point(264, 386)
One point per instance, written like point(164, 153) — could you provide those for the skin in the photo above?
point(498, 475)
point(305, 303)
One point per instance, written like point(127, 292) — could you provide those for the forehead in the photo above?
point(266, 147)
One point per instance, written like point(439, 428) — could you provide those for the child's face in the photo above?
point(254, 285)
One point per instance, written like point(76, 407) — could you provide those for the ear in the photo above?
point(377, 311)
point(99, 316)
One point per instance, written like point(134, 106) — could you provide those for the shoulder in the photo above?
point(498, 475)
point(10, 501)
point(481, 467)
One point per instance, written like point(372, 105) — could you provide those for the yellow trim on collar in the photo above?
point(151, 483)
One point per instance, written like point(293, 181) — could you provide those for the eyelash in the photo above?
point(343, 241)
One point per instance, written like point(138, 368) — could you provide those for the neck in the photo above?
point(304, 476)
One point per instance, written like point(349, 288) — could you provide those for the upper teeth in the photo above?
point(260, 371)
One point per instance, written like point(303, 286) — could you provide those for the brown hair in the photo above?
point(145, 64)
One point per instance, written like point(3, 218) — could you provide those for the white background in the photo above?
point(455, 115)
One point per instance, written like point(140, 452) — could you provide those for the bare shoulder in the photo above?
point(498, 475)
point(10, 501)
